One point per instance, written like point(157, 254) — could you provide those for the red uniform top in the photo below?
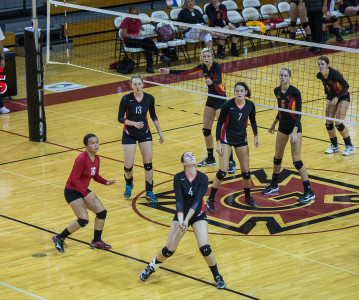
point(82, 172)
point(133, 26)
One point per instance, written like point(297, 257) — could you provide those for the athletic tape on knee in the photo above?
point(221, 174)
point(205, 250)
point(246, 175)
point(127, 169)
point(340, 126)
point(298, 164)
point(206, 132)
point(82, 222)
point(102, 215)
point(329, 126)
point(277, 161)
point(167, 253)
point(148, 167)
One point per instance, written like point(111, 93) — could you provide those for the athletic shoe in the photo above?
point(150, 196)
point(207, 162)
point(146, 273)
point(306, 197)
point(220, 282)
point(221, 55)
point(99, 245)
point(332, 149)
point(270, 189)
point(348, 149)
point(165, 58)
point(128, 190)
point(232, 167)
point(59, 243)
point(210, 205)
point(250, 201)
point(234, 52)
point(4, 110)
point(150, 70)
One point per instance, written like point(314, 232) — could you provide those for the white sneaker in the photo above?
point(348, 149)
point(332, 149)
point(4, 110)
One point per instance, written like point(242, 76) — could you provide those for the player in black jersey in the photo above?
point(190, 186)
point(288, 97)
point(232, 131)
point(212, 72)
point(338, 99)
point(136, 129)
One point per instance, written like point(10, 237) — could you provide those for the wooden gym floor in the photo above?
point(280, 251)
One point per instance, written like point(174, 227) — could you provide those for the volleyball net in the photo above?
point(89, 38)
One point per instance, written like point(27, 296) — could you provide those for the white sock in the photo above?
point(153, 263)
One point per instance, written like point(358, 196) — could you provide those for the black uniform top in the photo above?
point(233, 121)
point(214, 73)
point(313, 5)
point(195, 17)
point(334, 85)
point(136, 111)
point(217, 18)
point(189, 194)
point(292, 100)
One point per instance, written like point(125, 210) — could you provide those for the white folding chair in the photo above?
point(272, 11)
point(126, 50)
point(230, 5)
point(251, 3)
point(200, 9)
point(117, 23)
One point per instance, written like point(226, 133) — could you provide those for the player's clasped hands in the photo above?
point(183, 225)
point(138, 125)
point(209, 81)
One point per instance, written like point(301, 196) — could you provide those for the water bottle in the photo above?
point(245, 50)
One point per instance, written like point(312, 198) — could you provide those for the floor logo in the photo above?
point(280, 211)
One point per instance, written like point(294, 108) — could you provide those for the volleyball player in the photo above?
point(136, 129)
point(212, 72)
point(338, 99)
point(80, 198)
point(190, 186)
point(288, 97)
point(232, 131)
point(297, 9)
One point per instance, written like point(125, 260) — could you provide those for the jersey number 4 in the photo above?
point(138, 110)
point(190, 192)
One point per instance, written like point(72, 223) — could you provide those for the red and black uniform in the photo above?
point(335, 85)
point(218, 86)
point(82, 172)
point(217, 17)
point(292, 100)
point(136, 110)
point(343, 4)
point(233, 121)
point(189, 194)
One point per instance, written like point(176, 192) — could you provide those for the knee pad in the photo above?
point(221, 174)
point(127, 169)
point(246, 175)
point(340, 126)
point(167, 253)
point(148, 167)
point(334, 19)
point(325, 20)
point(298, 164)
point(293, 24)
point(277, 161)
point(329, 126)
point(305, 25)
point(206, 132)
point(82, 222)
point(102, 215)
point(205, 250)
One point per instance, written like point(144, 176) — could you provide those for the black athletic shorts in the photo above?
point(295, 2)
point(194, 218)
point(343, 98)
point(130, 139)
point(71, 195)
point(215, 103)
point(240, 143)
point(287, 128)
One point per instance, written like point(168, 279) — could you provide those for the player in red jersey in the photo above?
point(288, 97)
point(80, 198)
point(190, 186)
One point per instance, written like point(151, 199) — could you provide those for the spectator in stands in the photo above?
point(193, 16)
point(297, 8)
point(350, 8)
point(133, 38)
point(3, 109)
point(217, 17)
point(329, 17)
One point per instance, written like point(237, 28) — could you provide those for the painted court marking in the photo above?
point(22, 291)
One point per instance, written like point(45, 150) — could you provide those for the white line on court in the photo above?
point(22, 291)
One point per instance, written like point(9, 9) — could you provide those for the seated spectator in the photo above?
point(3, 109)
point(329, 17)
point(191, 15)
point(350, 8)
point(217, 17)
point(132, 37)
point(299, 9)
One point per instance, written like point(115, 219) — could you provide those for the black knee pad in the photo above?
point(277, 161)
point(127, 169)
point(221, 174)
point(298, 164)
point(305, 25)
point(325, 20)
point(246, 175)
point(206, 132)
point(340, 126)
point(102, 215)
point(82, 222)
point(329, 126)
point(293, 24)
point(205, 250)
point(148, 167)
point(334, 19)
point(167, 253)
